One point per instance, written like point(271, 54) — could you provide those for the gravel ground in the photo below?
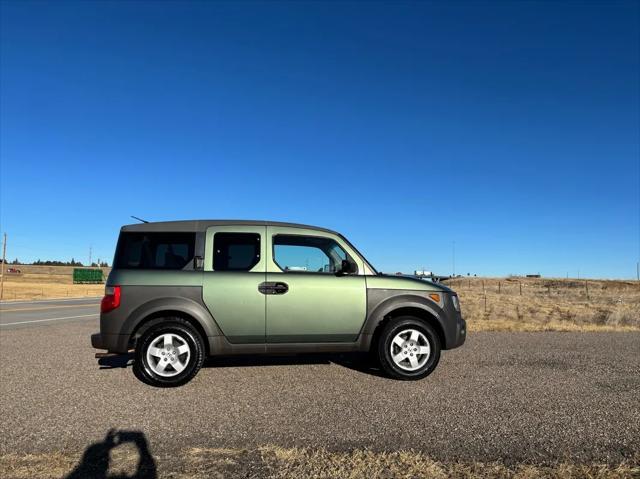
point(510, 397)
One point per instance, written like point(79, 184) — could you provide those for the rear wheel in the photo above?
point(408, 348)
point(169, 353)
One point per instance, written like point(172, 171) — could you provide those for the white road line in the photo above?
point(51, 319)
point(43, 301)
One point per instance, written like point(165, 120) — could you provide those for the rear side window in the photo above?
point(155, 250)
point(235, 251)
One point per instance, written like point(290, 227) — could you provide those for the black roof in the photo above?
point(201, 225)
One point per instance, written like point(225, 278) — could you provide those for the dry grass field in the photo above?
point(292, 463)
point(540, 304)
point(46, 282)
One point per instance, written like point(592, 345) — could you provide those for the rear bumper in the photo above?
point(114, 343)
point(97, 342)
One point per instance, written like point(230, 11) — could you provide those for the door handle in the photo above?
point(280, 288)
point(273, 288)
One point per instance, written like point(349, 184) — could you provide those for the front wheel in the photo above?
point(408, 348)
point(169, 353)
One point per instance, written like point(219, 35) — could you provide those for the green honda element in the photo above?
point(181, 291)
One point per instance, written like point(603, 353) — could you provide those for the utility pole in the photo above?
point(90, 246)
point(454, 258)
point(4, 259)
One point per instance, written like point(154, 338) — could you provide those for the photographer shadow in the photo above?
point(96, 459)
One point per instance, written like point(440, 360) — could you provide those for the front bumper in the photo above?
point(461, 334)
point(454, 326)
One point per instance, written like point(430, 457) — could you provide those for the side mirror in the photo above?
point(347, 267)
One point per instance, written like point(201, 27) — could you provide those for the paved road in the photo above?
point(32, 313)
point(535, 397)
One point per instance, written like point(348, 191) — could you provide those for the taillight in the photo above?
point(111, 299)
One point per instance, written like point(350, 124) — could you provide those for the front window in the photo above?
point(308, 254)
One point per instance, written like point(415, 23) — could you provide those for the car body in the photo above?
point(256, 287)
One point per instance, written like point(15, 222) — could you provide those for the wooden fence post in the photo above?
point(519, 283)
point(586, 287)
point(499, 287)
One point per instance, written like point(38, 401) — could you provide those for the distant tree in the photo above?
point(104, 264)
point(73, 262)
point(15, 261)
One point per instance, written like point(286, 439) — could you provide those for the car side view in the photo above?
point(184, 290)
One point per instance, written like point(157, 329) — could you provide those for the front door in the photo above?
point(308, 299)
point(235, 267)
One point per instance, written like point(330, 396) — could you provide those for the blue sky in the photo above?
point(511, 128)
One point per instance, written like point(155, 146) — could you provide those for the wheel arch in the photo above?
point(419, 313)
point(185, 309)
point(405, 305)
point(168, 314)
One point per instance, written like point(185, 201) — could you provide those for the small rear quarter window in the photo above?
point(236, 251)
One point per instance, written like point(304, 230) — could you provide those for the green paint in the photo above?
point(232, 297)
point(316, 304)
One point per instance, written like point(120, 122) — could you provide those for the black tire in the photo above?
point(389, 332)
point(186, 333)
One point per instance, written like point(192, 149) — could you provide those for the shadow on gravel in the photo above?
point(96, 459)
point(121, 361)
point(355, 361)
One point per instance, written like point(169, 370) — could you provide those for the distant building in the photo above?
point(421, 273)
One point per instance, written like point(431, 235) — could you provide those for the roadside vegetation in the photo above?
point(293, 463)
point(540, 304)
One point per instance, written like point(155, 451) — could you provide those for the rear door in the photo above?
point(235, 266)
point(308, 300)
